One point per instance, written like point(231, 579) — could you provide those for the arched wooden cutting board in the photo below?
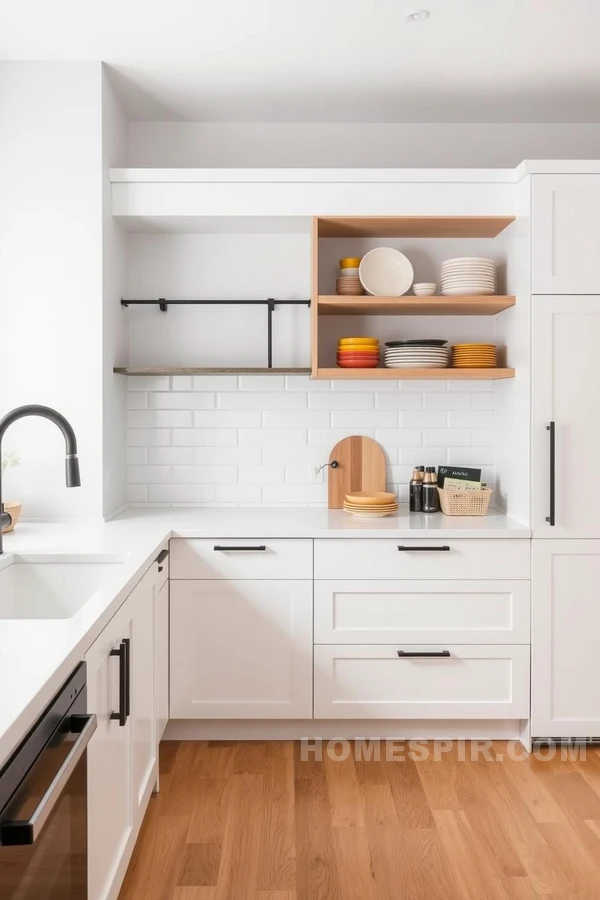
point(361, 468)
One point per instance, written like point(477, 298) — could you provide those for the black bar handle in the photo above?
point(161, 558)
point(423, 654)
point(551, 519)
point(236, 549)
point(127, 643)
point(121, 715)
point(404, 549)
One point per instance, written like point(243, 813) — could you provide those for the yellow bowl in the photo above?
point(354, 341)
point(350, 262)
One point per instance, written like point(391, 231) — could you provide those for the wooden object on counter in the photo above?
point(361, 468)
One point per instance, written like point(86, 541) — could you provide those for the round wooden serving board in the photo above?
point(361, 468)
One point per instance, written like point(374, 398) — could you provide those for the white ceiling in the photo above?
point(327, 60)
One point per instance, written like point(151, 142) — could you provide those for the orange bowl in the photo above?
point(358, 364)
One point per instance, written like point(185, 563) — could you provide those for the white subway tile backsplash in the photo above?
point(359, 419)
point(158, 418)
point(296, 418)
point(205, 474)
point(251, 440)
point(227, 418)
point(170, 456)
point(265, 400)
point(148, 383)
point(341, 401)
point(449, 400)
point(261, 474)
point(446, 437)
point(177, 400)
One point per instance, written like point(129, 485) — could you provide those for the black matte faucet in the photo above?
point(71, 459)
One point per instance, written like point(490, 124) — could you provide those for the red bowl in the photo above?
point(357, 356)
point(358, 364)
point(362, 355)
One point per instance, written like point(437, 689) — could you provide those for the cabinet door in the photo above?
point(143, 721)
point(161, 659)
point(566, 234)
point(565, 673)
point(566, 342)
point(110, 816)
point(241, 649)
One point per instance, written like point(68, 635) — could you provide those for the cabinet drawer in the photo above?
point(241, 558)
point(348, 558)
point(377, 612)
point(473, 682)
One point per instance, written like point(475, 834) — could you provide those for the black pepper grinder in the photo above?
point(415, 491)
point(431, 498)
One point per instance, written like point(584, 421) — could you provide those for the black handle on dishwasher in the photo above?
point(551, 519)
point(422, 654)
point(236, 549)
point(404, 549)
point(121, 715)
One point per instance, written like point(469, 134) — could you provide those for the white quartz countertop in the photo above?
point(36, 656)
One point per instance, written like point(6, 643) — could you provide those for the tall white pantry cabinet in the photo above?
point(565, 452)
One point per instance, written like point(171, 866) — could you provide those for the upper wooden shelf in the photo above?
point(334, 305)
point(421, 374)
point(412, 226)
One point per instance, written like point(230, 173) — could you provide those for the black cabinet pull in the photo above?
point(161, 558)
point(404, 549)
point(422, 654)
point(551, 519)
point(121, 715)
point(237, 549)
point(127, 643)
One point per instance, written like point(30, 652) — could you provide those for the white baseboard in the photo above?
point(382, 729)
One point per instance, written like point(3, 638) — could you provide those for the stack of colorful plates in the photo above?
point(358, 353)
point(474, 356)
point(348, 282)
point(424, 354)
point(469, 276)
point(371, 505)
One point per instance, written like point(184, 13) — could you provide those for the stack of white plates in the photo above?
point(414, 355)
point(469, 276)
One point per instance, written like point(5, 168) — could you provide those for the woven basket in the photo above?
point(14, 510)
point(465, 503)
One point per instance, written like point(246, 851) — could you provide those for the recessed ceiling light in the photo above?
point(417, 15)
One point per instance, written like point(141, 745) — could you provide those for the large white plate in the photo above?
point(469, 259)
point(466, 267)
point(385, 272)
point(412, 365)
point(467, 291)
point(454, 282)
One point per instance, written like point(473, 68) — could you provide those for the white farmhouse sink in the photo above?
point(53, 587)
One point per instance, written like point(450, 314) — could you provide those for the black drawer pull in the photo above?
point(121, 715)
point(404, 549)
point(422, 654)
point(551, 428)
point(127, 643)
point(237, 549)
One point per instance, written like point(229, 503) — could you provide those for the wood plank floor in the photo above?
point(253, 821)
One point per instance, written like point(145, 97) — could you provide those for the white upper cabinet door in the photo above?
point(565, 233)
point(565, 671)
point(241, 649)
point(566, 345)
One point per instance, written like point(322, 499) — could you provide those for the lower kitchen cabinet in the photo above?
point(565, 673)
point(241, 649)
point(161, 651)
point(443, 682)
point(123, 752)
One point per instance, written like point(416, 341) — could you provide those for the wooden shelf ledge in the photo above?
point(412, 226)
point(334, 305)
point(402, 374)
point(194, 370)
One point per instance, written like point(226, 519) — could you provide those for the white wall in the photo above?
point(412, 145)
point(114, 325)
point(51, 277)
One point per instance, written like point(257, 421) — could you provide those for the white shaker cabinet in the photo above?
point(143, 712)
point(565, 232)
point(565, 489)
point(565, 638)
point(241, 649)
point(161, 671)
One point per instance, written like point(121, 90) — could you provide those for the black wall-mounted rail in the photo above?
point(270, 303)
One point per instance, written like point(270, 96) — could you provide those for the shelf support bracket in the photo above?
point(162, 304)
point(270, 311)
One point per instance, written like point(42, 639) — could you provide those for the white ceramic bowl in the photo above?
point(349, 273)
point(385, 272)
point(424, 289)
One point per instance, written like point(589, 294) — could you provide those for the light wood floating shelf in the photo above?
point(194, 370)
point(335, 305)
point(413, 226)
point(402, 374)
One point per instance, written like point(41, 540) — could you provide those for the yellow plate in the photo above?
point(371, 498)
point(473, 346)
point(348, 341)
